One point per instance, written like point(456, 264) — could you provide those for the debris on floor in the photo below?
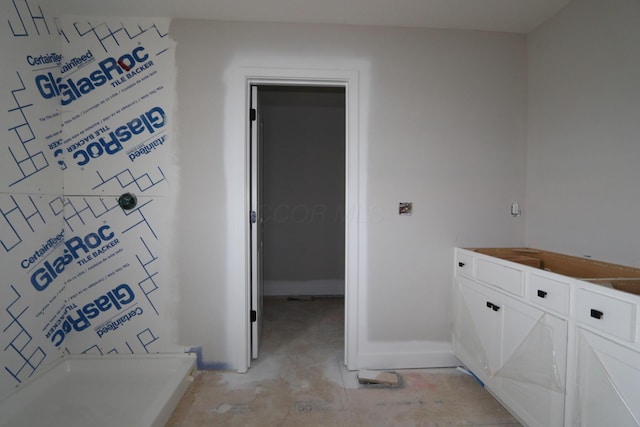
point(300, 379)
point(386, 379)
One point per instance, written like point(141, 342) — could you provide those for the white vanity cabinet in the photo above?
point(478, 328)
point(607, 381)
point(554, 349)
point(515, 349)
point(532, 378)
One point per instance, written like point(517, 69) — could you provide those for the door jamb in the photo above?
point(303, 77)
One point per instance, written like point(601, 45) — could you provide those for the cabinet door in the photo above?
point(531, 379)
point(608, 383)
point(477, 328)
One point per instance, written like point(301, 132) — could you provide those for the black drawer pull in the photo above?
point(492, 306)
point(461, 264)
point(542, 294)
point(596, 314)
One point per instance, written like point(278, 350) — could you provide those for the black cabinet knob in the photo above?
point(489, 304)
point(542, 294)
point(461, 264)
point(596, 314)
point(495, 307)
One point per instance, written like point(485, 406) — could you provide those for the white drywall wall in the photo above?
point(303, 135)
point(583, 196)
point(441, 124)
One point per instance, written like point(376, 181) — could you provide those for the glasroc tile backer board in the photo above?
point(88, 102)
point(115, 95)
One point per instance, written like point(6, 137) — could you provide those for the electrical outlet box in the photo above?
point(515, 209)
point(406, 208)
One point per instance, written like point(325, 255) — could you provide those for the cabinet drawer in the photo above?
point(549, 293)
point(464, 263)
point(612, 315)
point(508, 278)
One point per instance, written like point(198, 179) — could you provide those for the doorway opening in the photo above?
point(241, 81)
point(298, 197)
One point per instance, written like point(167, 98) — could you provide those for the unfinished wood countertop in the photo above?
point(616, 276)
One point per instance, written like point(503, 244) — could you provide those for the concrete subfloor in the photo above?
point(300, 380)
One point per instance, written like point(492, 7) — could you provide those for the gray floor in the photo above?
point(300, 380)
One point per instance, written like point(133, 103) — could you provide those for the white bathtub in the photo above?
point(113, 390)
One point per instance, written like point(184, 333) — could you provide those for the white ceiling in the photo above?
point(519, 16)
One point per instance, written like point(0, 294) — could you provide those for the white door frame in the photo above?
point(307, 77)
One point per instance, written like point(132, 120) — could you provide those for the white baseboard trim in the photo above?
point(409, 355)
point(303, 287)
